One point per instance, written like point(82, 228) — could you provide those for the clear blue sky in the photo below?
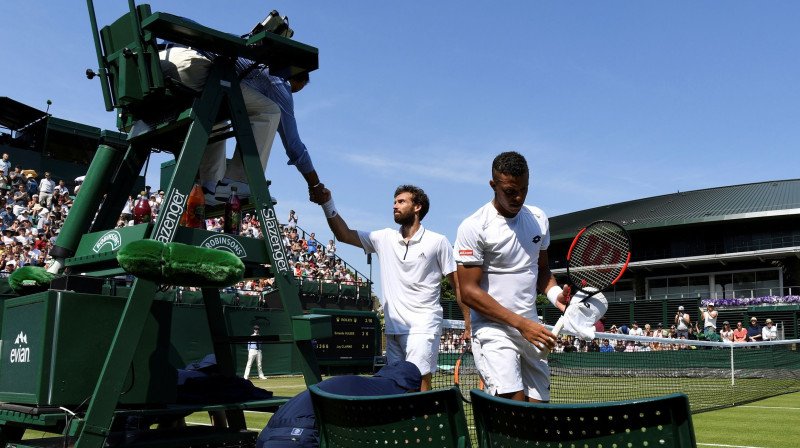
point(608, 101)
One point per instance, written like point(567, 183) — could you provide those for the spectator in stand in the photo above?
point(559, 348)
point(160, 198)
point(62, 189)
point(635, 330)
point(682, 322)
point(569, 347)
point(740, 333)
point(292, 224)
point(10, 266)
point(153, 205)
point(613, 329)
point(5, 165)
point(726, 333)
point(594, 346)
point(46, 190)
point(620, 346)
point(694, 333)
point(330, 252)
point(606, 347)
point(311, 242)
point(600, 325)
point(31, 186)
point(20, 199)
point(754, 330)
point(15, 178)
point(8, 216)
point(660, 333)
point(769, 332)
point(709, 316)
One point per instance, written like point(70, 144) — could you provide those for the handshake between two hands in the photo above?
point(318, 194)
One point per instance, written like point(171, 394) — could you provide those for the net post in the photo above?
point(733, 380)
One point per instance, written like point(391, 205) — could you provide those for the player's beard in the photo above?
point(404, 219)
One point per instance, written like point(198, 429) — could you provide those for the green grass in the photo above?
point(769, 423)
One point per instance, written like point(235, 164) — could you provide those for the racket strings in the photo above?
point(599, 255)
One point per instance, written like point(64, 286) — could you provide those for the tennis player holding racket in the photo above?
point(501, 252)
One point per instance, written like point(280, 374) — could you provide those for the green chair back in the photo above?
point(657, 422)
point(134, 69)
point(421, 419)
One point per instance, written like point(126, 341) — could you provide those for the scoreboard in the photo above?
point(356, 337)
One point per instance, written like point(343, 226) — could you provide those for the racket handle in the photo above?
point(556, 330)
point(559, 325)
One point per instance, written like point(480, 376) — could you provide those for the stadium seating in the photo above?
point(422, 419)
point(662, 421)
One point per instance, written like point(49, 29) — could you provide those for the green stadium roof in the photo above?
point(757, 200)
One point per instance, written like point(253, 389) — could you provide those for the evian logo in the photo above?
point(20, 352)
point(225, 242)
point(112, 239)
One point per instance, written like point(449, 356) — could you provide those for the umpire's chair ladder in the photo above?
point(159, 114)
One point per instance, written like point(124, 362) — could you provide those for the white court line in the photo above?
point(209, 424)
point(769, 407)
point(729, 446)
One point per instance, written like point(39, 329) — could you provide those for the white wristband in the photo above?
point(552, 294)
point(329, 208)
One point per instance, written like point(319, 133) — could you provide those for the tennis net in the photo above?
point(714, 375)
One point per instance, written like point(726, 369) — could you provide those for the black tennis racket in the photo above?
point(596, 260)
point(466, 374)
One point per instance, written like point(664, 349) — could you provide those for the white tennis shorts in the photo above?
point(420, 349)
point(508, 363)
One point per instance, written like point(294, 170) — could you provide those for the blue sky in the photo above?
point(609, 101)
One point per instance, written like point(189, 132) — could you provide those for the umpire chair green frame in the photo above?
point(655, 422)
point(160, 114)
point(421, 419)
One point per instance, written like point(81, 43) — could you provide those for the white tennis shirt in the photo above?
point(508, 251)
point(411, 274)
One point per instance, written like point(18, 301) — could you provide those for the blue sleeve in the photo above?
point(278, 90)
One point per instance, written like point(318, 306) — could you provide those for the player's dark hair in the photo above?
point(418, 197)
point(510, 163)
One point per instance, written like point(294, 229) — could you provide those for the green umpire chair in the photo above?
point(420, 419)
point(656, 422)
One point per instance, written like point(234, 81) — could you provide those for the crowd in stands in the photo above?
point(33, 210)
point(35, 206)
point(309, 258)
point(452, 340)
point(753, 333)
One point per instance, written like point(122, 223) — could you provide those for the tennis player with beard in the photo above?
point(501, 251)
point(413, 261)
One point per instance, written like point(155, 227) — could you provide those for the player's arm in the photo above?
point(469, 282)
point(339, 228)
point(453, 278)
point(547, 280)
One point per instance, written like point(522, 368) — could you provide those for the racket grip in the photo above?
point(556, 330)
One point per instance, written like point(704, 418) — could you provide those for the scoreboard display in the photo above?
point(356, 337)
